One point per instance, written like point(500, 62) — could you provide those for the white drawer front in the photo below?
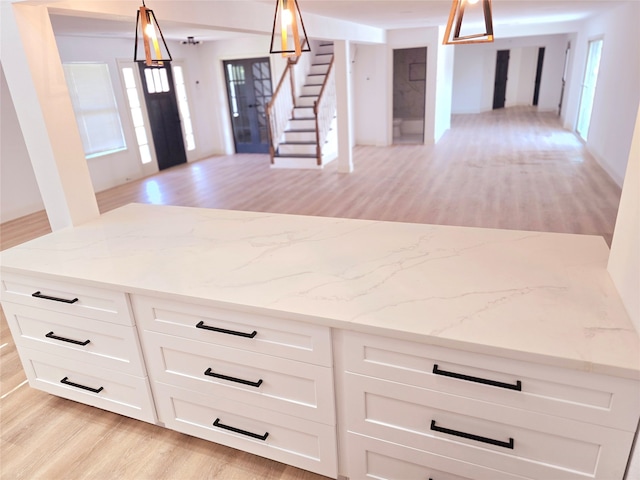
point(273, 336)
point(593, 398)
point(541, 446)
point(87, 341)
point(110, 390)
point(372, 458)
point(298, 442)
point(290, 387)
point(75, 299)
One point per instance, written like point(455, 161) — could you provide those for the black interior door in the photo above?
point(164, 118)
point(536, 90)
point(500, 86)
point(249, 91)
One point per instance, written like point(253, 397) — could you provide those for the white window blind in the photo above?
point(95, 108)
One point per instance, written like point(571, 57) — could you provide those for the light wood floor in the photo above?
point(512, 169)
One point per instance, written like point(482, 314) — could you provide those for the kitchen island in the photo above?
point(342, 346)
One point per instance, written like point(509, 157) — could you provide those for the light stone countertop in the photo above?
point(531, 296)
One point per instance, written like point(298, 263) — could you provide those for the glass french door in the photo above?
point(249, 91)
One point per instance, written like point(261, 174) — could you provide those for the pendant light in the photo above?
point(291, 37)
point(155, 53)
point(476, 9)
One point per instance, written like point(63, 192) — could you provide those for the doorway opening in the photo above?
point(589, 88)
point(536, 88)
point(409, 86)
point(164, 118)
point(249, 91)
point(500, 84)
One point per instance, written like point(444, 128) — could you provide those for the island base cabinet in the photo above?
point(409, 407)
point(111, 390)
point(294, 441)
point(372, 458)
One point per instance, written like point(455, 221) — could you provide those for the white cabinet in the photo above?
point(79, 343)
point(492, 413)
point(253, 382)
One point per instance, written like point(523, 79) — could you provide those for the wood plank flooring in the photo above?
point(513, 169)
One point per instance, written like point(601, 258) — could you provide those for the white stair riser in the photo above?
point(306, 101)
point(311, 89)
point(303, 112)
point(318, 69)
point(297, 149)
point(299, 137)
point(301, 124)
point(315, 79)
point(292, 162)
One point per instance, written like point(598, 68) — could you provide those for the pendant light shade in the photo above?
point(149, 34)
point(458, 28)
point(288, 36)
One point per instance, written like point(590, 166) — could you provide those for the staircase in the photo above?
point(306, 140)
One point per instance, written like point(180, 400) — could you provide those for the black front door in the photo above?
point(249, 92)
point(164, 118)
point(500, 86)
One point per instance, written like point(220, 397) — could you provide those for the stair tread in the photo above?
point(295, 155)
point(319, 64)
point(301, 96)
point(298, 143)
point(302, 118)
point(296, 130)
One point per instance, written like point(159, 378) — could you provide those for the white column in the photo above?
point(342, 64)
point(624, 259)
point(35, 78)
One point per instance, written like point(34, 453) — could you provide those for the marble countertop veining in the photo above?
point(530, 296)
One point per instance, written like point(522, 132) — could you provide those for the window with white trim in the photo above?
point(95, 108)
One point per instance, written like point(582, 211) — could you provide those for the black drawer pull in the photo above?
point(468, 378)
point(66, 381)
point(47, 297)
point(470, 436)
point(62, 339)
point(211, 373)
point(228, 332)
point(237, 430)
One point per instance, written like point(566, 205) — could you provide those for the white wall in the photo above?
point(19, 194)
point(522, 74)
point(618, 88)
point(371, 118)
point(444, 87)
point(117, 168)
point(474, 73)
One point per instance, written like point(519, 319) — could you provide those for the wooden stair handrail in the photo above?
point(315, 105)
point(290, 62)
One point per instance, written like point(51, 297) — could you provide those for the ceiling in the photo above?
point(388, 14)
